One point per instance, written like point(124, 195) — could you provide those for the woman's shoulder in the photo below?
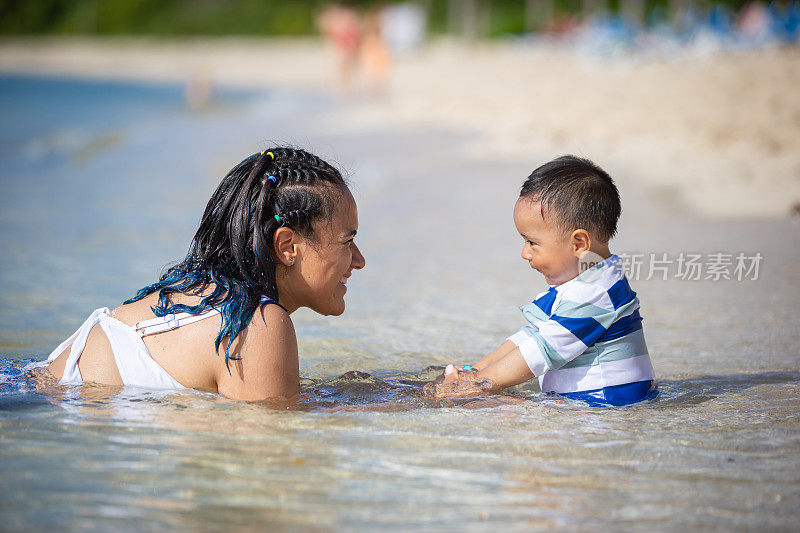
point(270, 335)
point(266, 363)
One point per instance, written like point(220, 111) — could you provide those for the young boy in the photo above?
point(584, 338)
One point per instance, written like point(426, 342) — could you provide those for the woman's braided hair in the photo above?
point(232, 248)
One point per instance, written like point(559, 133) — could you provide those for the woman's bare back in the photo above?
point(186, 353)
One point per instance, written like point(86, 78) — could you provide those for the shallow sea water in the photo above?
point(92, 207)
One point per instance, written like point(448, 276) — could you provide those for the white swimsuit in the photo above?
point(136, 366)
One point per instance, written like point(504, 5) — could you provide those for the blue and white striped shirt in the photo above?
point(587, 333)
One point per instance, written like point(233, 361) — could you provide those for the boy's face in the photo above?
point(547, 249)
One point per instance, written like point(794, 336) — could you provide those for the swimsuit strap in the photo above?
point(171, 321)
point(268, 300)
point(168, 322)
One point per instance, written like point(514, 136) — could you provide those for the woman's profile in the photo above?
point(276, 235)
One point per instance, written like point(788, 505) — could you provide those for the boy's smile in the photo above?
point(547, 248)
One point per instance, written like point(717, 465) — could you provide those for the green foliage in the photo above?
point(158, 17)
point(23, 16)
point(507, 17)
point(237, 17)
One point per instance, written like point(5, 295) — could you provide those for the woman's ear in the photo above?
point(581, 241)
point(285, 243)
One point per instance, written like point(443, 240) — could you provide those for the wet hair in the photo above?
point(232, 248)
point(578, 193)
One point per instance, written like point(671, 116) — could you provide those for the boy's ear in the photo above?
point(581, 241)
point(284, 242)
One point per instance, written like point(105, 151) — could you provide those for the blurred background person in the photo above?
point(341, 26)
point(374, 55)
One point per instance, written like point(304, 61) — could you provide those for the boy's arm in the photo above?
point(507, 371)
point(551, 340)
point(533, 350)
point(508, 368)
point(455, 372)
point(501, 351)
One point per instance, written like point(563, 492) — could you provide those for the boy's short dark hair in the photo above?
point(578, 193)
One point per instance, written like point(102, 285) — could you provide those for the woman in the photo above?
point(276, 235)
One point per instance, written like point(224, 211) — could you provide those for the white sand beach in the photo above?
point(719, 133)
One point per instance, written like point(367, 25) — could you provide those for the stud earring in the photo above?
point(291, 260)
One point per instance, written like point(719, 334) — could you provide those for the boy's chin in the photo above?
point(559, 281)
point(562, 277)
